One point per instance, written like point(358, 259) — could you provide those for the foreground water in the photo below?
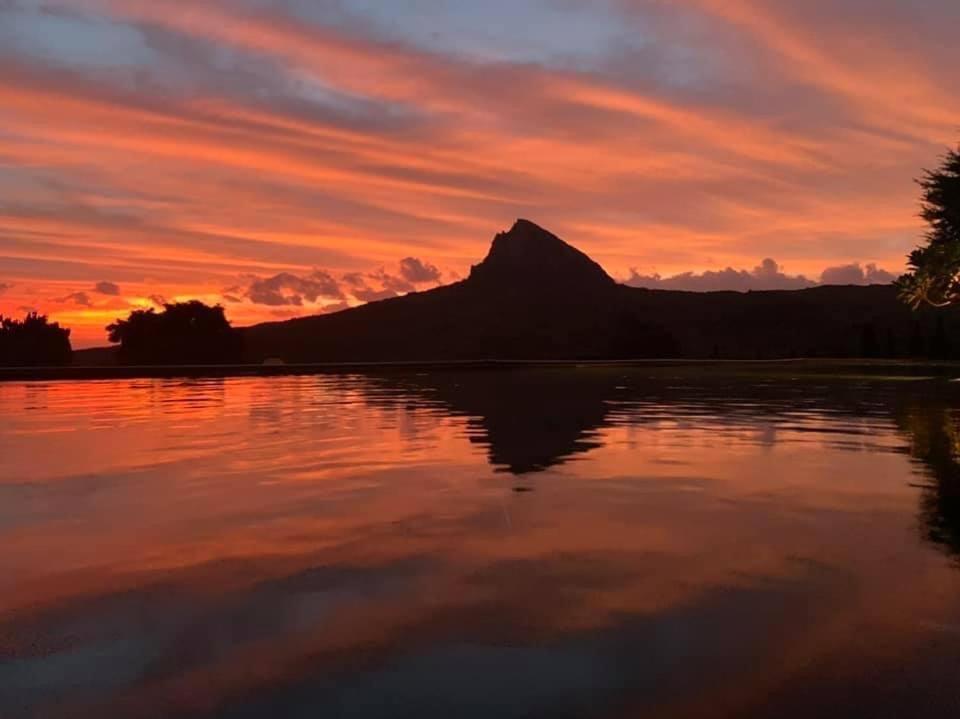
point(569, 543)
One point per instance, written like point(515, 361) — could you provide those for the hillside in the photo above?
point(537, 297)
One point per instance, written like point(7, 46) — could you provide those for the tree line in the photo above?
point(182, 333)
point(33, 341)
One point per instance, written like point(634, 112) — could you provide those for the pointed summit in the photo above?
point(530, 256)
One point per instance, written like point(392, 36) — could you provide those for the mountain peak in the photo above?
point(528, 255)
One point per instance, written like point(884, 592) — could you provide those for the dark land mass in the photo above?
point(535, 297)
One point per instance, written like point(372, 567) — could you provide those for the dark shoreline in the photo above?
point(815, 367)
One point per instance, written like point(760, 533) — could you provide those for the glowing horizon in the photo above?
point(286, 158)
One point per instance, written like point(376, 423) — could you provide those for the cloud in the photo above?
point(768, 275)
point(107, 288)
point(338, 307)
point(4, 286)
point(360, 287)
point(416, 271)
point(376, 286)
point(287, 289)
point(370, 294)
point(157, 300)
point(81, 299)
point(855, 274)
point(234, 294)
point(392, 283)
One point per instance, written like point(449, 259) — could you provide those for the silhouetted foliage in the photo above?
point(935, 267)
point(33, 341)
point(184, 333)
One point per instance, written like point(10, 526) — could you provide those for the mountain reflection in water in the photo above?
point(690, 545)
point(531, 421)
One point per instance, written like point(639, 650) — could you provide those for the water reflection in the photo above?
point(933, 428)
point(531, 421)
point(351, 546)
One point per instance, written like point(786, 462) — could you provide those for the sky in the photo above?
point(290, 157)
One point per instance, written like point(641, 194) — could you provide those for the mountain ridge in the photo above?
point(527, 251)
point(536, 297)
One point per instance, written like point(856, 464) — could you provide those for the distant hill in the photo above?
point(536, 297)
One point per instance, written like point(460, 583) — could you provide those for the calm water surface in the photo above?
point(569, 543)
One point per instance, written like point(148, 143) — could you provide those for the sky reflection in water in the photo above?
point(590, 542)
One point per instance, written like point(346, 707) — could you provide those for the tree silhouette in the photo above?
point(184, 333)
point(934, 276)
point(33, 341)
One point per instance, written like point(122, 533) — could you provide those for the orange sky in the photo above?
point(286, 157)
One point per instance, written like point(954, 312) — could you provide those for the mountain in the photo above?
point(529, 253)
point(536, 297)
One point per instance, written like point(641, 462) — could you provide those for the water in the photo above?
point(569, 543)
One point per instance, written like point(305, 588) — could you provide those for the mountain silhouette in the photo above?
point(528, 253)
point(534, 418)
point(536, 297)
point(533, 296)
point(528, 419)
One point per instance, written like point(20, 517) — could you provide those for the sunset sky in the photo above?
point(288, 157)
